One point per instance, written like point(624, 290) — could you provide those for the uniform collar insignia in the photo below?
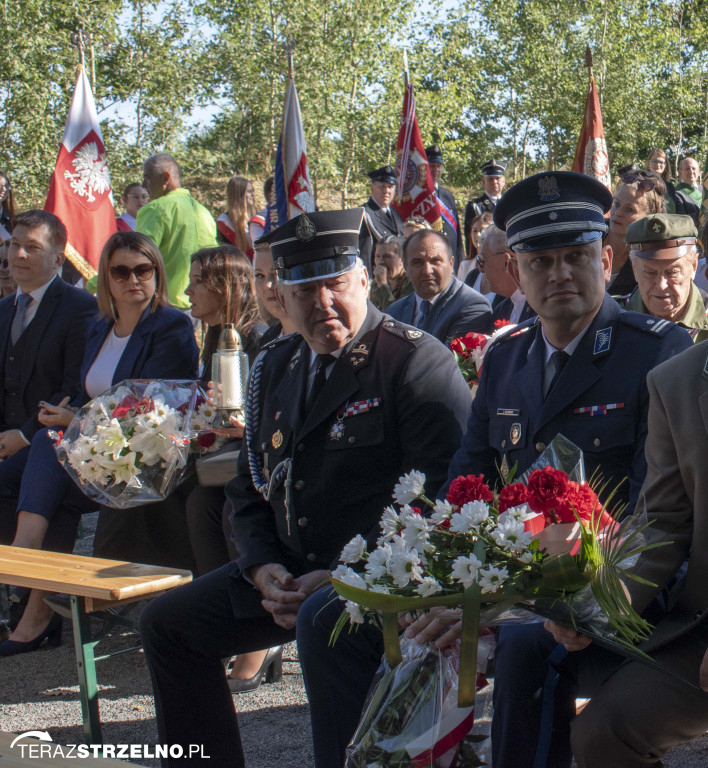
point(295, 359)
point(603, 338)
point(359, 353)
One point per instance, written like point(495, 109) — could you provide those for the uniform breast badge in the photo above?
point(336, 431)
point(277, 439)
point(515, 433)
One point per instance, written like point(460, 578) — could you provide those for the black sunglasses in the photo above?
point(642, 181)
point(120, 273)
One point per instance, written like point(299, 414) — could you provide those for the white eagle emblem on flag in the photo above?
point(91, 172)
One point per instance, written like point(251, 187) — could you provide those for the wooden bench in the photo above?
point(93, 585)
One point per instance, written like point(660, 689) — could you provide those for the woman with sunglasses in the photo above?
point(638, 194)
point(7, 204)
point(137, 335)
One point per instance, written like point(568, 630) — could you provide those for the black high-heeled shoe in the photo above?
point(52, 634)
point(271, 669)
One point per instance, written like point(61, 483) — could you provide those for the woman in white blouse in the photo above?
point(136, 336)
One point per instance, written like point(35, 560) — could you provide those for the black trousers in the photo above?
point(186, 633)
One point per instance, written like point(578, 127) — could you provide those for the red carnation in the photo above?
point(458, 347)
point(206, 439)
point(123, 408)
point(547, 489)
point(502, 323)
point(512, 496)
point(469, 488)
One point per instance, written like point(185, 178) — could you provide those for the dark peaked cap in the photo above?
point(313, 246)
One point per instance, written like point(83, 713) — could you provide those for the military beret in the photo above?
point(553, 209)
point(661, 236)
point(434, 154)
point(314, 246)
point(492, 168)
point(387, 174)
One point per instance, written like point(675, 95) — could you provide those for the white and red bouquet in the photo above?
point(545, 544)
point(469, 350)
point(130, 445)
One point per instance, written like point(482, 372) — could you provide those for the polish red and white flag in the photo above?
point(80, 189)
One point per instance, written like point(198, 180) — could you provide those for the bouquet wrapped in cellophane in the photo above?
point(544, 543)
point(130, 445)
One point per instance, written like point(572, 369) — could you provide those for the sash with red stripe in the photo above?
point(447, 214)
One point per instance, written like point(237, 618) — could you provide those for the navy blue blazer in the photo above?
point(162, 346)
point(458, 310)
point(511, 423)
point(53, 347)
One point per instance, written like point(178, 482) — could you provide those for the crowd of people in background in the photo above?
point(168, 281)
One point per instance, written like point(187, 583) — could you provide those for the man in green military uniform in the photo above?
point(690, 184)
point(664, 258)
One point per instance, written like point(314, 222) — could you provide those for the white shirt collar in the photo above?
point(568, 348)
point(313, 355)
point(38, 293)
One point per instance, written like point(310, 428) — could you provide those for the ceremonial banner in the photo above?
point(591, 152)
point(293, 187)
point(80, 188)
point(415, 191)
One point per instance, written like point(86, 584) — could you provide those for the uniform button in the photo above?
point(312, 557)
point(596, 442)
point(503, 443)
point(264, 446)
point(299, 485)
point(352, 440)
point(300, 447)
point(302, 522)
point(12, 359)
point(540, 447)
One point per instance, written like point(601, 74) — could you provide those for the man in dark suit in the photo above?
point(380, 219)
point(494, 259)
point(448, 205)
point(354, 395)
point(442, 305)
point(493, 181)
point(42, 336)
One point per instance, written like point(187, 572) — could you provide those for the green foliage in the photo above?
point(503, 78)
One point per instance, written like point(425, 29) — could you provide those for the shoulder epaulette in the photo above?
point(411, 335)
point(646, 323)
point(277, 342)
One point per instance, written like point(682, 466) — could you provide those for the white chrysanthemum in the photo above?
point(398, 545)
point(464, 569)
point(390, 522)
point(378, 561)
point(491, 578)
point(82, 449)
point(206, 413)
point(526, 557)
point(416, 532)
point(510, 534)
point(441, 511)
point(382, 588)
point(409, 487)
point(522, 513)
point(470, 517)
point(428, 587)
point(354, 550)
point(354, 611)
point(348, 576)
point(405, 567)
point(110, 439)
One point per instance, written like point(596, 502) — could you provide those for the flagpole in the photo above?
point(406, 75)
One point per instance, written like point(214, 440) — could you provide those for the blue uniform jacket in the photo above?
point(162, 346)
point(511, 422)
point(457, 311)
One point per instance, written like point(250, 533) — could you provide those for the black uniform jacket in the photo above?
point(394, 401)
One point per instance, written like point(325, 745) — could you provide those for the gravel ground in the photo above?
point(39, 691)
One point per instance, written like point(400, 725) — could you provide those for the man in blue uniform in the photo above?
point(578, 369)
point(380, 218)
point(493, 181)
point(336, 414)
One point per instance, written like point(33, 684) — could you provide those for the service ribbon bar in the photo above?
point(599, 410)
